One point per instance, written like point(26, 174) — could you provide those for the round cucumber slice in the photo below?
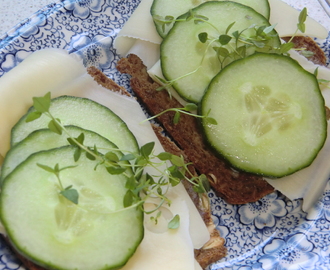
point(270, 115)
point(45, 139)
point(84, 113)
point(191, 64)
point(55, 233)
point(175, 8)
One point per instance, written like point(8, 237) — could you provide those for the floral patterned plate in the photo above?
point(272, 233)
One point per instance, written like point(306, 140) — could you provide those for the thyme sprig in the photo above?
point(140, 185)
point(187, 109)
point(230, 46)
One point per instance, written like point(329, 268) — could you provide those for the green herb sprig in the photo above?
point(230, 46)
point(140, 186)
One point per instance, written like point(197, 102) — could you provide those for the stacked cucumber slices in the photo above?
point(94, 233)
point(226, 57)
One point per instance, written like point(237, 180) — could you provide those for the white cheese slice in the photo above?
point(140, 33)
point(171, 249)
point(31, 77)
point(286, 18)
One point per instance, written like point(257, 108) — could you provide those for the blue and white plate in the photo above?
point(291, 239)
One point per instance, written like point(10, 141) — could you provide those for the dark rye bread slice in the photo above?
point(233, 186)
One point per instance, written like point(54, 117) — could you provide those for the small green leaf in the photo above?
point(223, 52)
point(90, 156)
point(127, 157)
point(224, 39)
point(131, 183)
point(55, 127)
point(211, 121)
point(115, 170)
point(147, 149)
point(205, 182)
point(71, 194)
point(229, 27)
point(178, 161)
point(190, 107)
point(46, 168)
point(203, 37)
point(302, 18)
point(111, 156)
point(33, 116)
point(303, 15)
point(269, 29)
point(164, 156)
point(307, 54)
point(81, 138)
point(285, 47)
point(42, 104)
point(175, 172)
point(174, 223)
point(176, 118)
point(77, 154)
point(128, 198)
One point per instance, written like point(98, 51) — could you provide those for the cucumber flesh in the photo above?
point(61, 234)
point(175, 8)
point(182, 53)
point(84, 113)
point(270, 115)
point(44, 139)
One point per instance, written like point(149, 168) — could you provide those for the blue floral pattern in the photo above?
point(273, 233)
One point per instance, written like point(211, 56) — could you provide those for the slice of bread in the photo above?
point(233, 186)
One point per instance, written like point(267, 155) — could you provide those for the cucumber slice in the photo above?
point(44, 139)
point(175, 8)
point(182, 53)
point(57, 234)
point(270, 115)
point(84, 113)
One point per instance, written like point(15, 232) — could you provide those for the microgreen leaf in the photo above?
point(115, 170)
point(111, 156)
point(147, 149)
point(176, 118)
point(302, 18)
point(224, 39)
point(33, 116)
point(307, 54)
point(46, 168)
point(190, 107)
point(229, 27)
point(178, 161)
point(128, 198)
point(164, 156)
point(127, 157)
point(203, 37)
point(210, 120)
point(77, 154)
point(54, 126)
point(174, 223)
point(42, 104)
point(71, 194)
point(285, 47)
point(131, 183)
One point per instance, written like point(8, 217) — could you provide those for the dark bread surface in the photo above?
point(233, 186)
